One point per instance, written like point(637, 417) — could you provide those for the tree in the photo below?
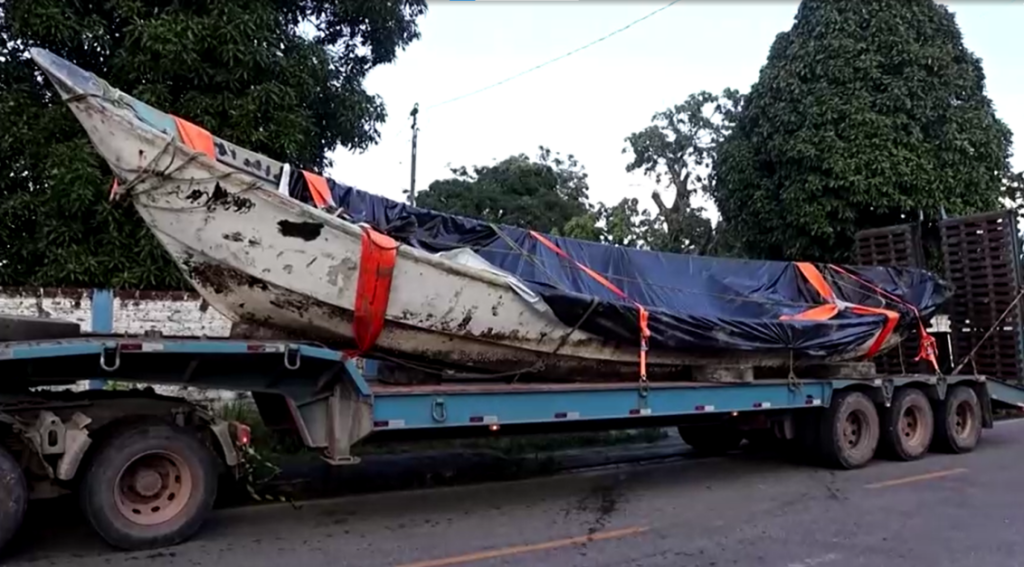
point(623, 224)
point(864, 114)
point(244, 69)
point(678, 150)
point(542, 194)
point(1013, 189)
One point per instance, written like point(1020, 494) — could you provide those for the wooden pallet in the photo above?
point(982, 261)
point(899, 246)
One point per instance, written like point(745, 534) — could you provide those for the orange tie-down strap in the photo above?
point(373, 288)
point(831, 308)
point(645, 333)
point(318, 189)
point(928, 347)
point(195, 137)
point(200, 140)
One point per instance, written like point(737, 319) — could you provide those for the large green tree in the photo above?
point(544, 193)
point(678, 152)
point(281, 77)
point(865, 114)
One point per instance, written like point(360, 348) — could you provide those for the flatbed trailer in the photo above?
point(146, 466)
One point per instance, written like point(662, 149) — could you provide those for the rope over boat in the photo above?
point(270, 245)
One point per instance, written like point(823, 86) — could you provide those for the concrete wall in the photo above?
point(173, 314)
point(176, 314)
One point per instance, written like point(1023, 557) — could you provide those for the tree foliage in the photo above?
point(543, 194)
point(622, 224)
point(866, 114)
point(678, 150)
point(281, 77)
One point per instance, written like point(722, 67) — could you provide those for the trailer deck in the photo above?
point(334, 406)
point(321, 397)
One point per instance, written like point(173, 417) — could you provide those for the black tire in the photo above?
point(849, 431)
point(13, 497)
point(711, 440)
point(907, 425)
point(958, 421)
point(132, 516)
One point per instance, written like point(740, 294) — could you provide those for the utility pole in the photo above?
point(412, 173)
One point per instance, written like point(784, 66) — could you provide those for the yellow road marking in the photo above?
point(920, 477)
point(515, 550)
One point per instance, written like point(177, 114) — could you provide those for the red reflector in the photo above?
point(634, 411)
point(698, 408)
point(758, 404)
point(255, 348)
point(476, 419)
point(561, 415)
point(243, 433)
point(380, 424)
point(130, 346)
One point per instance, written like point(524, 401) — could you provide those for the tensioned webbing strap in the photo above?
point(831, 307)
point(645, 333)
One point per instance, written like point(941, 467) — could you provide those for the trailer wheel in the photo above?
point(958, 423)
point(711, 440)
point(149, 485)
point(13, 496)
point(849, 431)
point(907, 425)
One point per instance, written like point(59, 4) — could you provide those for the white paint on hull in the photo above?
point(257, 255)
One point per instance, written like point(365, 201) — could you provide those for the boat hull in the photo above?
point(261, 257)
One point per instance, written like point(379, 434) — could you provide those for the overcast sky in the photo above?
point(588, 103)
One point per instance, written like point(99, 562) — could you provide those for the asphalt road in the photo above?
point(945, 510)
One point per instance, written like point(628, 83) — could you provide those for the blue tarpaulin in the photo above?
point(706, 305)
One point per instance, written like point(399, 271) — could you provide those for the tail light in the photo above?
point(242, 433)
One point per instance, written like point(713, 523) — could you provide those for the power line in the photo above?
point(559, 58)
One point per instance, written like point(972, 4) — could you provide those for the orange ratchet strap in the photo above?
point(928, 349)
point(831, 308)
point(645, 333)
point(373, 288)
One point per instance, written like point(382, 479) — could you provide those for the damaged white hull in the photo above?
point(260, 257)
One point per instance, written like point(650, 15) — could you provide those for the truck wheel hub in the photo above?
point(153, 488)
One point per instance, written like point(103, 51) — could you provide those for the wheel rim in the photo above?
point(911, 426)
point(963, 419)
point(854, 429)
point(153, 488)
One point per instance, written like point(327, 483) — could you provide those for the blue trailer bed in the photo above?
point(323, 396)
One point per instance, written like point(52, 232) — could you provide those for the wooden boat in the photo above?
point(263, 258)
